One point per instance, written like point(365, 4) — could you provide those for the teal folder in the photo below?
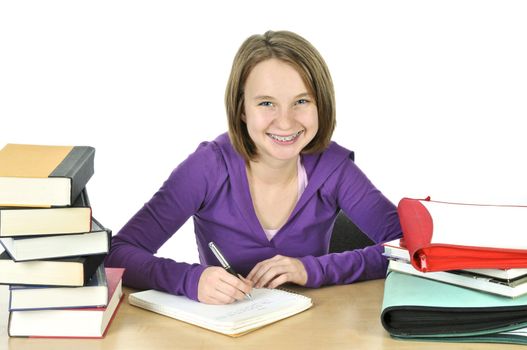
point(421, 309)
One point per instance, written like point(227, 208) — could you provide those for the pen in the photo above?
point(225, 264)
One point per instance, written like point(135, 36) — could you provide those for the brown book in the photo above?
point(43, 176)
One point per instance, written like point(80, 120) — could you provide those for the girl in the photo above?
point(267, 193)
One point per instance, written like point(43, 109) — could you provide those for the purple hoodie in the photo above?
point(211, 185)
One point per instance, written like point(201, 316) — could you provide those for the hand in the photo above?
point(278, 270)
point(217, 286)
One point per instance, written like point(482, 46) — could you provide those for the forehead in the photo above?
point(274, 77)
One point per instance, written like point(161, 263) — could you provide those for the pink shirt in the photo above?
point(302, 184)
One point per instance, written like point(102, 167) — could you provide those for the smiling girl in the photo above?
point(267, 193)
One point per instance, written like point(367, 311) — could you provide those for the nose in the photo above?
point(284, 119)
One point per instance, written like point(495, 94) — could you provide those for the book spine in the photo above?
point(9, 325)
point(91, 264)
point(78, 166)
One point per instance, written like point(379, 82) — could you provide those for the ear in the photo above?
point(244, 118)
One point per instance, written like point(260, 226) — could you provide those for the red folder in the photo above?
point(451, 236)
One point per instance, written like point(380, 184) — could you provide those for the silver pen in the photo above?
point(225, 264)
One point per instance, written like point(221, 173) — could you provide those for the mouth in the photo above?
point(286, 138)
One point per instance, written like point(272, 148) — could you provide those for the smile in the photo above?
point(288, 138)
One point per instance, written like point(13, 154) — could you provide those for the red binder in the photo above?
point(450, 236)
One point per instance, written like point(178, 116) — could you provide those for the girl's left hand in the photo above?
point(278, 270)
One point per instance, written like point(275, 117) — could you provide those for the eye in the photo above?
point(265, 104)
point(302, 101)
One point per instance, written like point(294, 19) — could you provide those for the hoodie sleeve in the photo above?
point(374, 214)
point(181, 196)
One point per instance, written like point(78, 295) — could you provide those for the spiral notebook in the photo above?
point(267, 306)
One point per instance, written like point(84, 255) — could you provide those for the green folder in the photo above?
point(421, 309)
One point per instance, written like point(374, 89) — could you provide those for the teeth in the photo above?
point(285, 138)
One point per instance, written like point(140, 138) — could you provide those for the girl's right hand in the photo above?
point(217, 286)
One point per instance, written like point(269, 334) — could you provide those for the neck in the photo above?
point(275, 172)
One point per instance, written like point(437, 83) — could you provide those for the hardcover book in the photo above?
point(70, 323)
point(93, 294)
point(74, 271)
point(15, 222)
point(58, 246)
point(43, 176)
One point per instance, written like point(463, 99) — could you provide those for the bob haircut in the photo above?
point(290, 48)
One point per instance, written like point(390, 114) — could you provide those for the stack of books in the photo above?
point(459, 274)
point(53, 249)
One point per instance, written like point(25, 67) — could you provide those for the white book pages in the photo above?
point(478, 225)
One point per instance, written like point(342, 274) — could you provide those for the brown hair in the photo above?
point(299, 53)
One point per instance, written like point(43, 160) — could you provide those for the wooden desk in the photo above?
point(343, 317)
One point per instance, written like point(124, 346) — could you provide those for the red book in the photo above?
point(70, 323)
point(453, 236)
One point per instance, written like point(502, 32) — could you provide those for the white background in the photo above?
point(431, 95)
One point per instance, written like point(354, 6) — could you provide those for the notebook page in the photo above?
point(266, 306)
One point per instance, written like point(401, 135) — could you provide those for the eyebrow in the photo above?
point(267, 97)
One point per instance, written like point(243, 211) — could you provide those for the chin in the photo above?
point(285, 154)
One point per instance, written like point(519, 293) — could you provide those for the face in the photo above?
point(280, 113)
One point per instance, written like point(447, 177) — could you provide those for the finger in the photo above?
point(257, 269)
point(247, 285)
point(263, 267)
point(216, 297)
point(294, 272)
point(279, 280)
point(226, 293)
point(245, 280)
point(254, 271)
point(235, 287)
point(272, 273)
point(239, 282)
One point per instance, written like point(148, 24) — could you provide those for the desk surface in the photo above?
point(342, 317)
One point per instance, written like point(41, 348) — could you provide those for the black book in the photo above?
point(93, 294)
point(74, 271)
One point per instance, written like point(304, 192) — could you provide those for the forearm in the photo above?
point(146, 271)
point(180, 197)
point(346, 267)
point(134, 247)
